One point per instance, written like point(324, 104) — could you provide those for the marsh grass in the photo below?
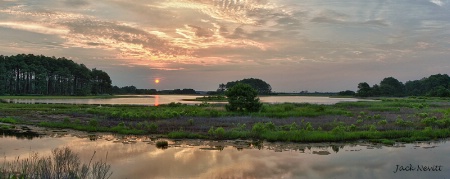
point(353, 120)
point(299, 110)
point(8, 120)
point(340, 133)
point(63, 163)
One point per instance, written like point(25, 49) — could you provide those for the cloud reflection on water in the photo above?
point(187, 159)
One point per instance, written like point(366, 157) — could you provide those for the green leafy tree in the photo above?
point(364, 90)
point(3, 75)
point(30, 74)
point(346, 93)
point(221, 88)
point(242, 97)
point(435, 85)
point(392, 87)
point(259, 85)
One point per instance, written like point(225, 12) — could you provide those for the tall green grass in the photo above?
point(268, 131)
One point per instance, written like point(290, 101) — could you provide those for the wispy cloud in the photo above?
point(438, 2)
point(37, 28)
point(227, 35)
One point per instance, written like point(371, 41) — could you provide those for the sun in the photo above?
point(156, 81)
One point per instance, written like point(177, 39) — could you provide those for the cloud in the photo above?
point(37, 28)
point(122, 37)
point(330, 16)
point(227, 35)
point(333, 17)
point(76, 3)
point(201, 32)
point(438, 2)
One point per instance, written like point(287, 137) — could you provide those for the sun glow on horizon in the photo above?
point(156, 81)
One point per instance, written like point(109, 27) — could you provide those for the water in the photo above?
point(165, 99)
point(138, 157)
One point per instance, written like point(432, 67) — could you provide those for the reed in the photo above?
point(63, 163)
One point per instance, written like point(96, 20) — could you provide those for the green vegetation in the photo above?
point(8, 120)
point(162, 144)
point(242, 97)
point(384, 120)
point(63, 164)
point(338, 134)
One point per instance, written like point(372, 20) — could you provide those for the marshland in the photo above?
point(384, 119)
point(193, 136)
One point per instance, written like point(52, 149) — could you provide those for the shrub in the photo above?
point(377, 116)
point(293, 127)
point(8, 120)
point(151, 127)
point(443, 123)
point(338, 130)
point(352, 127)
point(422, 115)
point(240, 127)
point(270, 126)
point(162, 144)
point(219, 132)
point(382, 122)
point(258, 128)
point(308, 127)
point(191, 122)
point(66, 120)
point(429, 121)
point(93, 123)
point(359, 121)
point(242, 97)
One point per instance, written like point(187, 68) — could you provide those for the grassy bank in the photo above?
point(386, 120)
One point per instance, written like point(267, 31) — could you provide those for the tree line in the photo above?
point(133, 90)
point(434, 86)
point(28, 74)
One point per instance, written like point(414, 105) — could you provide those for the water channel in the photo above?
point(165, 99)
point(138, 157)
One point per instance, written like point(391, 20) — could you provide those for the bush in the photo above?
point(258, 128)
point(151, 127)
point(382, 122)
point(270, 126)
point(219, 132)
point(429, 121)
point(191, 122)
point(162, 144)
point(308, 127)
point(8, 120)
point(93, 123)
point(242, 97)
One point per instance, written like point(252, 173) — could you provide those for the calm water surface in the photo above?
point(165, 99)
point(138, 157)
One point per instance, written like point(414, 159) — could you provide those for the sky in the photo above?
point(294, 45)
